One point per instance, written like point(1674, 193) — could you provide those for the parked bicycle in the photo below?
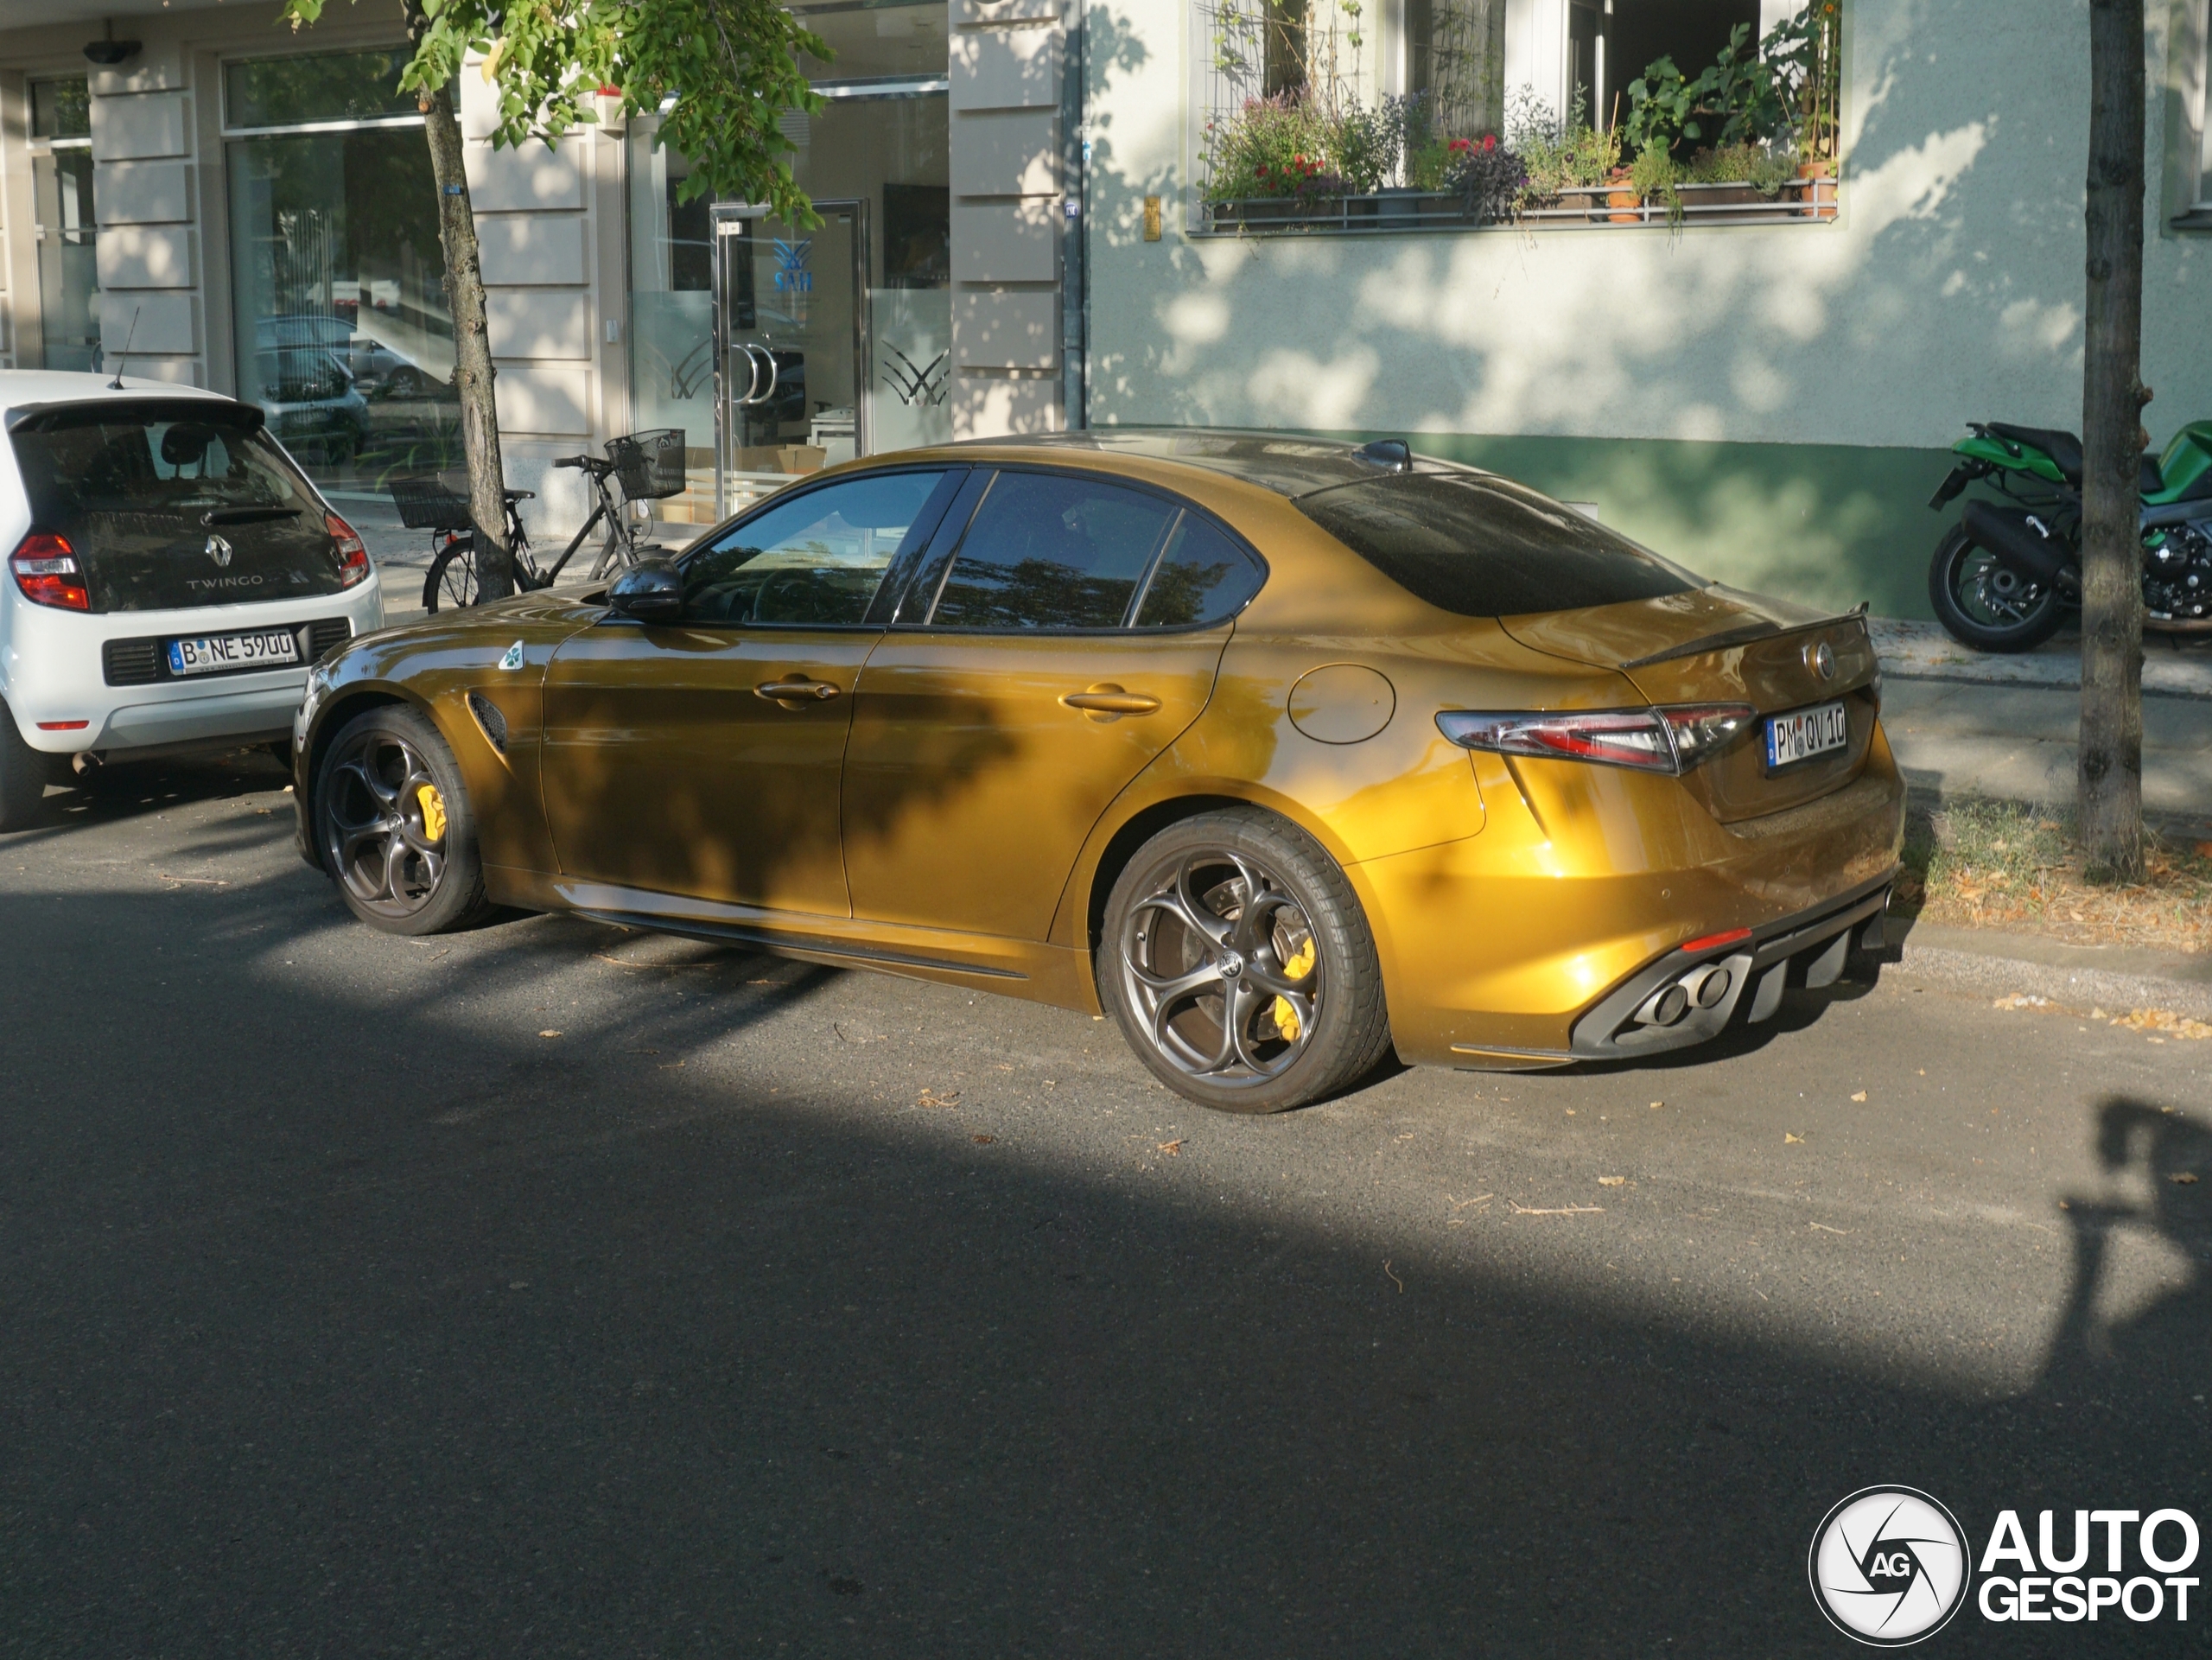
point(646, 466)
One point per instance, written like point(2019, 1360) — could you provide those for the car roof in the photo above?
point(1287, 463)
point(19, 387)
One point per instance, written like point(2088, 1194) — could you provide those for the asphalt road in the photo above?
point(551, 1290)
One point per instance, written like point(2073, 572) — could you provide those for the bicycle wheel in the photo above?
point(453, 580)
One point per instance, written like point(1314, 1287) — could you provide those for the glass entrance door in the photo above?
point(790, 336)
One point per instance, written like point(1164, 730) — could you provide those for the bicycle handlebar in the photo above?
point(589, 463)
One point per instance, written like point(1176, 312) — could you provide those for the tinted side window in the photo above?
point(814, 560)
point(1202, 576)
point(1481, 547)
point(1045, 551)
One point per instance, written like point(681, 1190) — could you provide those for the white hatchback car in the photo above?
point(172, 574)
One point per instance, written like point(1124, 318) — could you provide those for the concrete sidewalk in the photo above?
point(1963, 722)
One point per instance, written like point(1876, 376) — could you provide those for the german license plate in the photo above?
point(1805, 733)
point(265, 648)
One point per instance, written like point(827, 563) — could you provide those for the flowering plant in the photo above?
point(1272, 147)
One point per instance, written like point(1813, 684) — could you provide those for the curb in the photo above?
point(2076, 987)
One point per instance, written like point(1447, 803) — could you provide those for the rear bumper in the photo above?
point(1639, 1017)
point(60, 689)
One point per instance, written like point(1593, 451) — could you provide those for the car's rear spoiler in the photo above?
point(1745, 636)
point(46, 417)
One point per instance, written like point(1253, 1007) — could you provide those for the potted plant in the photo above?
point(1487, 177)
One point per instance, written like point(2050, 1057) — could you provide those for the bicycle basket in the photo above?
point(428, 504)
point(649, 463)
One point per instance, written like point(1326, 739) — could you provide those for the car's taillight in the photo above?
point(352, 552)
point(45, 568)
point(1649, 740)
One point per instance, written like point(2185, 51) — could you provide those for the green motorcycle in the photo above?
point(2006, 573)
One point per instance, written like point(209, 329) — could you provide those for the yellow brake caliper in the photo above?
point(1297, 969)
point(434, 813)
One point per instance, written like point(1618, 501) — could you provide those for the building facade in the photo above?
point(1021, 231)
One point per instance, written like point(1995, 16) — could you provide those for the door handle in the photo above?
point(1108, 699)
point(797, 690)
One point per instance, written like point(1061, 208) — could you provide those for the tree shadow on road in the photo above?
point(345, 1315)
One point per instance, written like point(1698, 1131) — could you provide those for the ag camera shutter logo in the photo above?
point(1889, 1566)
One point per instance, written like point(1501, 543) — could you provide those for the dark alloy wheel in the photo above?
point(1982, 604)
point(1237, 963)
point(392, 824)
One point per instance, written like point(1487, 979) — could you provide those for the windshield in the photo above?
point(1480, 546)
point(139, 490)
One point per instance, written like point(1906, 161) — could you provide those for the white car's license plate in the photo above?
point(1805, 733)
point(267, 648)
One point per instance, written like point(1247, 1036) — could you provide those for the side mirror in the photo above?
point(650, 591)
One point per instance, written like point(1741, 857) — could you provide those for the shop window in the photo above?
point(328, 86)
point(343, 332)
point(63, 209)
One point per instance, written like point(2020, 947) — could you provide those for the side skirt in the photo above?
point(1014, 967)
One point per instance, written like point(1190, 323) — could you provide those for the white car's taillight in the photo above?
point(46, 571)
point(1649, 740)
point(352, 552)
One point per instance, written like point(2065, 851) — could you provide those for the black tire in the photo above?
point(1196, 975)
point(453, 581)
point(23, 774)
point(374, 828)
point(1981, 604)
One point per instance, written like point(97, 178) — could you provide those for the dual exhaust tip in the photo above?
point(1706, 986)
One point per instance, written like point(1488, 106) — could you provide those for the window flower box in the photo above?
point(1798, 202)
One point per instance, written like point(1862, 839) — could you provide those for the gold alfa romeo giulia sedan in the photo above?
point(1284, 753)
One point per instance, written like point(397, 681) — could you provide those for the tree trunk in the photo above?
point(472, 347)
point(2113, 442)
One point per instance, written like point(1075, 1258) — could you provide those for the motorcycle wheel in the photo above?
point(1983, 605)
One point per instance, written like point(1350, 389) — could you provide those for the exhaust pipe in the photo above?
point(2023, 546)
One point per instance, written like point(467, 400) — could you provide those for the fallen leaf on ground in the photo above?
point(1612, 1181)
point(1861, 1096)
point(1173, 1148)
point(1787, 1137)
point(548, 1033)
point(1656, 1105)
point(2186, 1178)
point(2024, 1000)
point(982, 1140)
point(932, 1098)
point(2165, 1020)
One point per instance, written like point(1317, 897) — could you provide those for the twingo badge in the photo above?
point(513, 658)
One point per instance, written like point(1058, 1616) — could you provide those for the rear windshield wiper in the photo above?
point(246, 515)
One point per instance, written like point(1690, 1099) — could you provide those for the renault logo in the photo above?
point(1821, 659)
point(218, 550)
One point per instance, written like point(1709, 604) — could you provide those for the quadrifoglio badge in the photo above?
point(1891, 1565)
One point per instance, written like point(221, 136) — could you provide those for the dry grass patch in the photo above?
point(1997, 864)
